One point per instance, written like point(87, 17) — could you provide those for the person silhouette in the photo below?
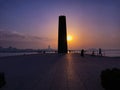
point(100, 52)
point(93, 53)
point(82, 52)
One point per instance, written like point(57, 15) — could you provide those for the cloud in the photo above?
point(16, 36)
point(20, 40)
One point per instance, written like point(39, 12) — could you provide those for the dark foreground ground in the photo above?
point(55, 72)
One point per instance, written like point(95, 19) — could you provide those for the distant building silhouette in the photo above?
point(62, 35)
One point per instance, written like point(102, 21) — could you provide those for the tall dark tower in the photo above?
point(62, 35)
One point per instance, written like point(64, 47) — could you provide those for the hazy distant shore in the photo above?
point(106, 53)
point(35, 53)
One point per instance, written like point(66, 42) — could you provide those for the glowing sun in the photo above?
point(69, 38)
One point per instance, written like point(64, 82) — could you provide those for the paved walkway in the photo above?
point(55, 72)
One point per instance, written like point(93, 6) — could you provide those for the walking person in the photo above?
point(100, 52)
point(93, 53)
point(82, 52)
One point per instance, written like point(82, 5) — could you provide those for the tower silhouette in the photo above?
point(62, 35)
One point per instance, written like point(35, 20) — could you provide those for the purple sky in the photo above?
point(34, 23)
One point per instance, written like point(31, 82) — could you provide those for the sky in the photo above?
point(34, 23)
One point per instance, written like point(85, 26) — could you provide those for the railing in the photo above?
point(110, 52)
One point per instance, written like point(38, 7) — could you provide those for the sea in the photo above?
point(16, 54)
point(112, 53)
point(108, 53)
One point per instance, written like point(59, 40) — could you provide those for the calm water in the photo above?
point(16, 54)
point(110, 53)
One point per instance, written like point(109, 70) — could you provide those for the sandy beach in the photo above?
point(55, 71)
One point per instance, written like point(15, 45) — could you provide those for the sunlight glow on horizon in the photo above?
point(89, 24)
point(69, 38)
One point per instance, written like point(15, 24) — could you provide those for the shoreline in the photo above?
point(56, 54)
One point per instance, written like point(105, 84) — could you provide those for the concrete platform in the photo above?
point(55, 72)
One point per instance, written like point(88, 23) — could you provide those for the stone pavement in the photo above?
point(55, 71)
